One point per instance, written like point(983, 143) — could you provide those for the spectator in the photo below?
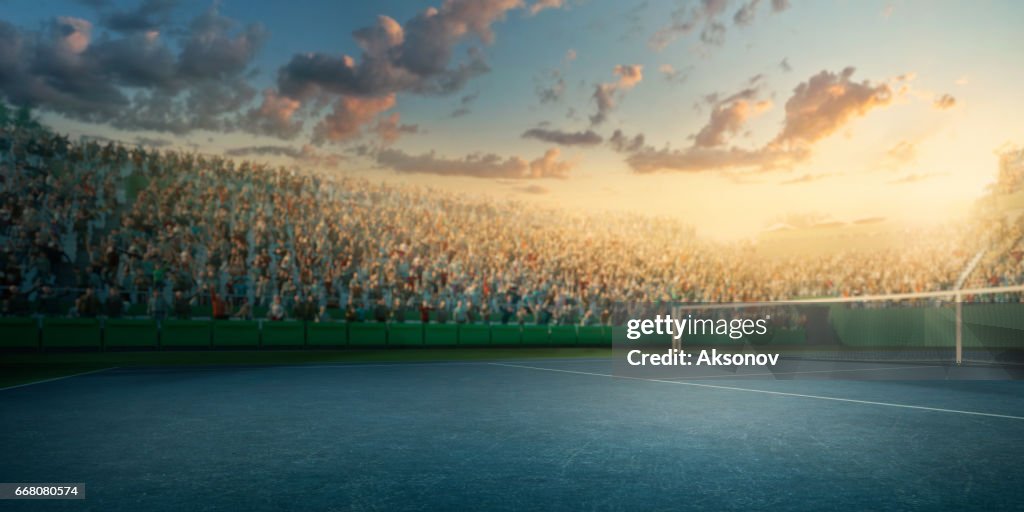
point(219, 307)
point(425, 310)
point(244, 311)
point(397, 312)
point(182, 306)
point(380, 311)
point(276, 311)
point(351, 315)
point(442, 313)
point(87, 305)
point(15, 304)
point(157, 306)
point(115, 303)
point(47, 303)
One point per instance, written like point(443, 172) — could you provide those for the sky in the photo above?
point(731, 115)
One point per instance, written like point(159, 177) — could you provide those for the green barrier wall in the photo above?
point(19, 333)
point(984, 326)
point(402, 334)
point(130, 333)
point(367, 334)
point(185, 333)
point(506, 335)
point(137, 310)
point(289, 333)
point(563, 334)
point(888, 327)
point(236, 333)
point(64, 333)
point(441, 334)
point(327, 334)
point(789, 337)
point(595, 335)
point(535, 335)
point(994, 326)
point(475, 335)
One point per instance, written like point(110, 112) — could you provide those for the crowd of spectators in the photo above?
point(96, 228)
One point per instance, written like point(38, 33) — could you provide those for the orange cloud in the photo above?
point(827, 101)
point(350, 113)
point(728, 119)
point(944, 102)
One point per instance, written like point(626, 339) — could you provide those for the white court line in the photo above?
point(57, 378)
point(777, 393)
point(265, 366)
point(735, 375)
point(351, 365)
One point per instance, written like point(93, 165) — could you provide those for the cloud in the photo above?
point(605, 93)
point(729, 115)
point(417, 57)
point(629, 75)
point(746, 13)
point(133, 79)
point(697, 159)
point(584, 138)
point(550, 92)
point(533, 189)
point(816, 109)
point(478, 165)
point(389, 129)
point(944, 102)
point(685, 21)
point(212, 51)
point(541, 5)
point(728, 118)
point(148, 15)
point(605, 102)
point(74, 34)
point(464, 102)
point(827, 101)
point(713, 34)
point(348, 116)
point(624, 144)
point(548, 166)
point(671, 74)
point(805, 178)
point(903, 152)
point(274, 116)
point(916, 177)
point(706, 15)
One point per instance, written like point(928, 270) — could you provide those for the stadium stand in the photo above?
point(102, 230)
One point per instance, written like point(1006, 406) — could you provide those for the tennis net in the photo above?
point(980, 327)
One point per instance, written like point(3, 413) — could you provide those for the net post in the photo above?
point(959, 329)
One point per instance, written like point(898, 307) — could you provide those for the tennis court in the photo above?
point(501, 435)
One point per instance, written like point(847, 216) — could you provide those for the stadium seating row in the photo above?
point(989, 325)
point(28, 333)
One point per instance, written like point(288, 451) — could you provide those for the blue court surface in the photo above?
point(509, 435)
